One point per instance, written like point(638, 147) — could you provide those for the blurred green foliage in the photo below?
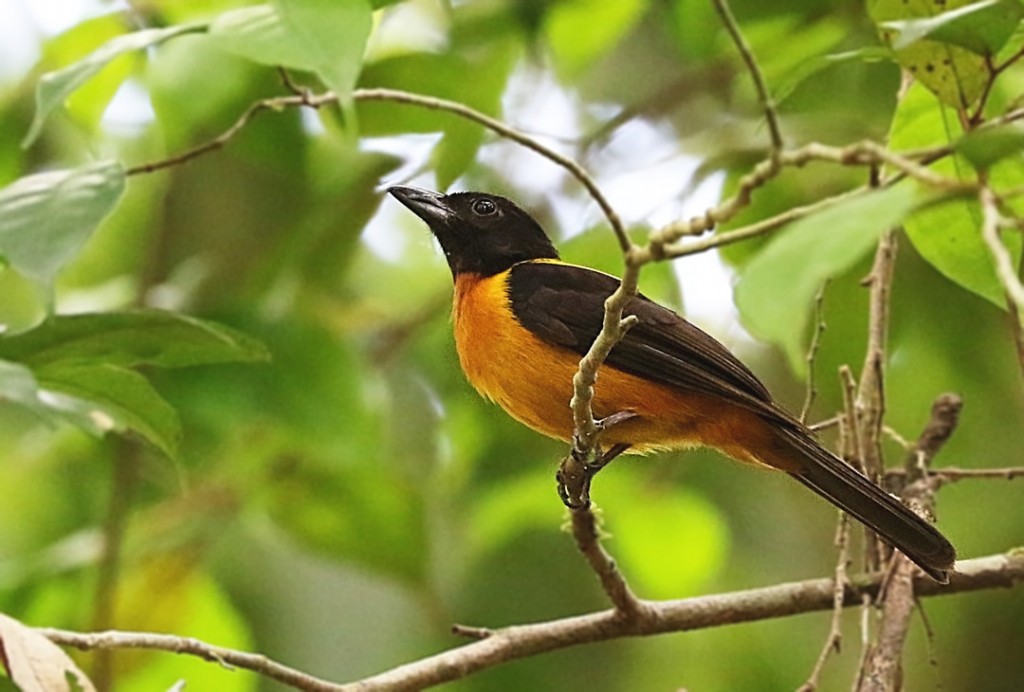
point(340, 505)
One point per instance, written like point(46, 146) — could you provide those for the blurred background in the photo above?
point(340, 507)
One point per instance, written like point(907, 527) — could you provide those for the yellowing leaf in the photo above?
point(34, 663)
point(954, 74)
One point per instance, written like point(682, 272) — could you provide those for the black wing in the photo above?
point(564, 304)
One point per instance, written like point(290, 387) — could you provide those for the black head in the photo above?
point(480, 233)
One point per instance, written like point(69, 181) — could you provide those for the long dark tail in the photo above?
point(843, 486)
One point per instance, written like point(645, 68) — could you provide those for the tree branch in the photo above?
point(662, 243)
point(511, 643)
point(812, 352)
point(505, 130)
point(228, 658)
point(882, 669)
point(1005, 269)
point(951, 474)
point(301, 98)
point(870, 404)
point(585, 531)
point(767, 104)
point(834, 640)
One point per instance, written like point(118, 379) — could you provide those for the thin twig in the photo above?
point(833, 642)
point(767, 104)
point(228, 658)
point(871, 386)
point(852, 448)
point(505, 130)
point(728, 208)
point(613, 329)
point(881, 670)
point(812, 351)
point(662, 243)
point(945, 416)
point(1005, 268)
point(305, 99)
point(866, 153)
point(952, 474)
point(870, 401)
point(520, 641)
point(825, 424)
point(586, 533)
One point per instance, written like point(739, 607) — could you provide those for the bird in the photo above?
point(523, 318)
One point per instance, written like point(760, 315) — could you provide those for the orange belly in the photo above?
point(532, 381)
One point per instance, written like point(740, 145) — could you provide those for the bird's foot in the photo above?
point(577, 471)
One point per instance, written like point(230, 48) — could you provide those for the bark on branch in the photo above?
point(511, 643)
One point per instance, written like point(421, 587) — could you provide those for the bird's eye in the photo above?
point(484, 207)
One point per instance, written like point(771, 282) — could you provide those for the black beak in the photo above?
point(426, 204)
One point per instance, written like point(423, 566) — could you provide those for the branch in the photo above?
point(227, 658)
point(586, 533)
point(812, 351)
point(511, 643)
point(770, 114)
point(870, 404)
point(274, 104)
point(613, 329)
point(834, 640)
point(1005, 269)
point(505, 130)
point(866, 153)
point(951, 474)
point(882, 669)
point(943, 421)
point(304, 99)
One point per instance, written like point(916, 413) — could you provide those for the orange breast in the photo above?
point(532, 381)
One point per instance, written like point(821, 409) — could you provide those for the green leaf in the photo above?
point(777, 287)
point(327, 37)
point(954, 74)
point(129, 339)
point(55, 87)
point(982, 27)
point(580, 31)
point(76, 368)
point(87, 104)
point(947, 235)
point(985, 147)
point(259, 34)
point(46, 218)
point(105, 398)
point(334, 35)
point(818, 63)
point(18, 385)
